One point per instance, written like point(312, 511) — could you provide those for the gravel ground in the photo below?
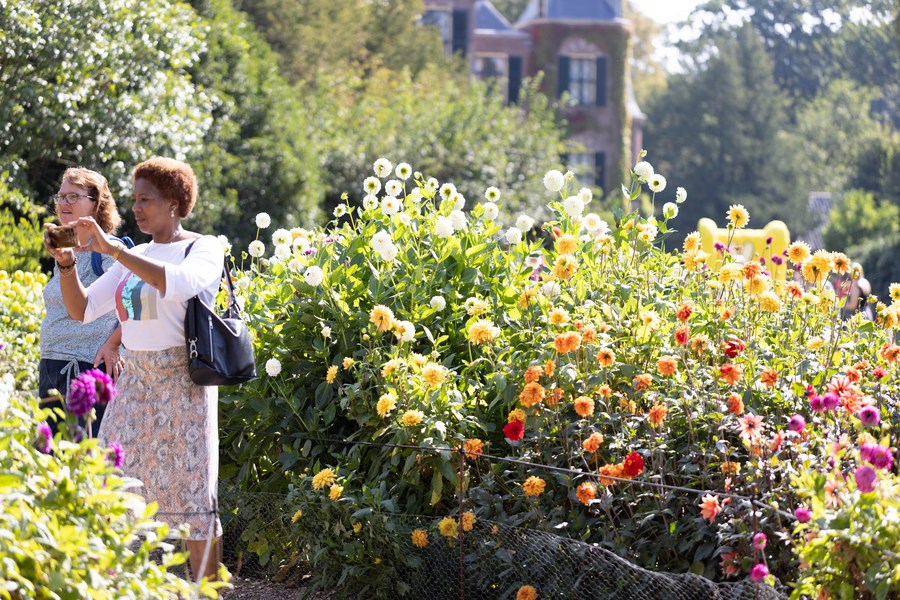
point(262, 589)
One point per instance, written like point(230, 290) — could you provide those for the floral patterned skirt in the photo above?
point(168, 428)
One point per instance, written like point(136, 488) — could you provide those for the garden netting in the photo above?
point(492, 561)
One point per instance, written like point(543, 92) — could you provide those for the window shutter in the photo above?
point(515, 78)
point(460, 31)
point(600, 170)
point(562, 76)
point(601, 81)
point(564, 159)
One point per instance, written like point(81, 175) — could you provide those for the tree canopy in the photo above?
point(719, 132)
point(97, 83)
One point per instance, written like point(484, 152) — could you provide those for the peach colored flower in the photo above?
point(533, 373)
point(606, 357)
point(699, 343)
point(567, 342)
point(642, 381)
point(657, 415)
point(612, 470)
point(589, 335)
point(685, 311)
point(532, 394)
point(553, 397)
point(667, 365)
point(584, 406)
point(605, 391)
point(890, 353)
point(726, 313)
point(710, 507)
point(586, 492)
point(534, 486)
point(419, 538)
point(731, 373)
point(752, 270)
point(565, 266)
point(735, 404)
point(516, 414)
point(483, 331)
point(682, 333)
point(549, 368)
point(769, 377)
point(527, 592)
point(473, 446)
point(592, 443)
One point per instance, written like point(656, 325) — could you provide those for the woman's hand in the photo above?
point(63, 256)
point(109, 354)
point(91, 236)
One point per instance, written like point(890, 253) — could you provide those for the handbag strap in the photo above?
point(232, 308)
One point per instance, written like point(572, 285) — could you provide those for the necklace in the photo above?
point(176, 235)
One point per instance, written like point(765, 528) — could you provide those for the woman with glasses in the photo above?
point(166, 424)
point(67, 346)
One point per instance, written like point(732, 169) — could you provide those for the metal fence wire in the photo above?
point(491, 561)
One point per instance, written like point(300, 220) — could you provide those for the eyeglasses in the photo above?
point(70, 198)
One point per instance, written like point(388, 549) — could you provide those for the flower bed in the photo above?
point(586, 346)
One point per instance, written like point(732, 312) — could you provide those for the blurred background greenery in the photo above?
point(281, 106)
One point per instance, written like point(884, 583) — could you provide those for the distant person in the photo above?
point(858, 295)
point(67, 346)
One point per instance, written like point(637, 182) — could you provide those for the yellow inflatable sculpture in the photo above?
point(746, 244)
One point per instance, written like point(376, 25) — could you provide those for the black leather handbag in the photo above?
point(220, 350)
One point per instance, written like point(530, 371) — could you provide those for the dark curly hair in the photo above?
point(173, 178)
point(97, 187)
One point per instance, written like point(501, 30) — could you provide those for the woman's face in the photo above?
point(152, 211)
point(84, 206)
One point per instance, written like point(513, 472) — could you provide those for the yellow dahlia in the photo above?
point(692, 242)
point(382, 317)
point(738, 216)
point(483, 331)
point(385, 405)
point(534, 486)
point(434, 374)
point(412, 418)
point(449, 527)
point(323, 478)
point(419, 538)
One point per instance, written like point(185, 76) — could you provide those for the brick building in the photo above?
point(581, 46)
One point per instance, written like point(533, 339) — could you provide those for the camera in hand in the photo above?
point(63, 236)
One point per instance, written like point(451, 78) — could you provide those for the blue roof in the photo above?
point(488, 17)
point(572, 10)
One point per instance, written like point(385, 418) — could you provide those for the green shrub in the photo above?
point(410, 322)
point(69, 527)
point(21, 312)
point(20, 230)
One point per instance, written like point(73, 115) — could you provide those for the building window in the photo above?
point(441, 18)
point(582, 80)
point(490, 66)
point(589, 168)
point(582, 164)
